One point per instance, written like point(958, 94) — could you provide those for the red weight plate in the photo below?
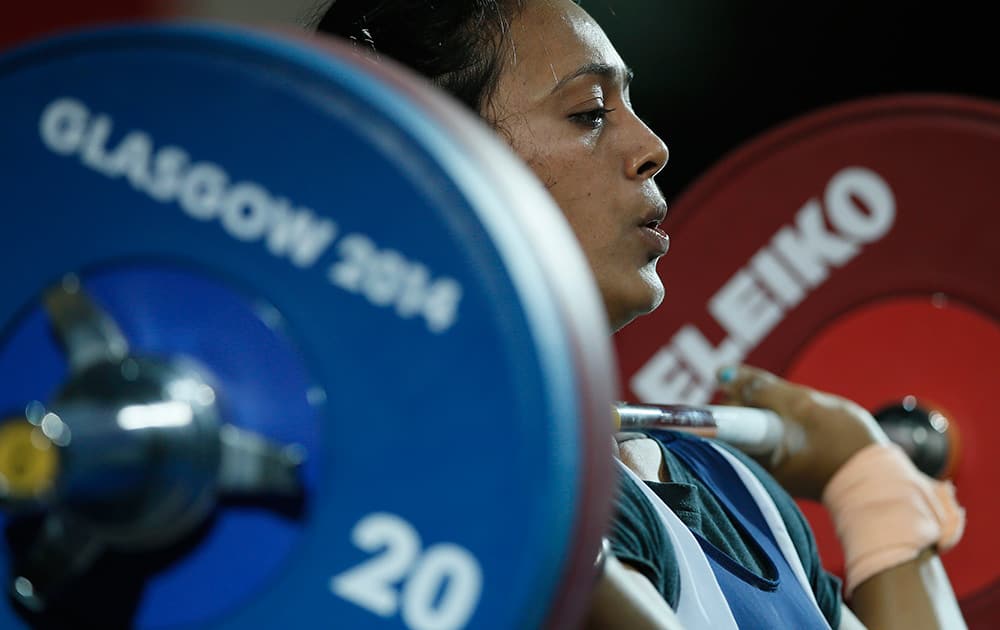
point(877, 205)
point(36, 19)
point(944, 355)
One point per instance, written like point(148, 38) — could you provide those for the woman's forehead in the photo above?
point(552, 39)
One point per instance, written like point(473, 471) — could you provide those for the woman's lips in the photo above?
point(657, 239)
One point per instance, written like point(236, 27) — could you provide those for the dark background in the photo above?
point(712, 74)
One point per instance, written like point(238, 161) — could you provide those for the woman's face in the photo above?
point(563, 104)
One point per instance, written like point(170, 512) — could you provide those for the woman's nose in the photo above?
point(650, 156)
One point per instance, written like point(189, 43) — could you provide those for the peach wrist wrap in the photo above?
point(886, 512)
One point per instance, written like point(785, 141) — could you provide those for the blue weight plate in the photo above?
point(274, 397)
point(362, 280)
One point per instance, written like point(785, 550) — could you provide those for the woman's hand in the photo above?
point(822, 431)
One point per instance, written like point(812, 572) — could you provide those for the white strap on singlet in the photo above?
point(701, 603)
point(774, 520)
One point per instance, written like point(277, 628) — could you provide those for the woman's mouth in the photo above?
point(657, 239)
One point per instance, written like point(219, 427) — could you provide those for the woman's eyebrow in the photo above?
point(621, 74)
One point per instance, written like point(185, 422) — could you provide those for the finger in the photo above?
point(753, 387)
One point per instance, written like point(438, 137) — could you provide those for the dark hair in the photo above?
point(460, 45)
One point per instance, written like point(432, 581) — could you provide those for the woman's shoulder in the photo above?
point(638, 538)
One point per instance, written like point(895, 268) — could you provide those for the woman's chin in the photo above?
point(621, 317)
point(653, 288)
point(626, 301)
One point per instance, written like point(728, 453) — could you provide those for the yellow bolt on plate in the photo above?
point(29, 462)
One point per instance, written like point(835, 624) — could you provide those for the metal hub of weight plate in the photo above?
point(852, 250)
point(288, 338)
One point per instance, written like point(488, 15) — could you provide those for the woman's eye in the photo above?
point(592, 118)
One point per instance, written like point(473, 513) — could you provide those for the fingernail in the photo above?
point(727, 375)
